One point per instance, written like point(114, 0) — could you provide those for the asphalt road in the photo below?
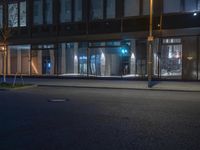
point(97, 119)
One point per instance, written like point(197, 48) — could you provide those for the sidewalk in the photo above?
point(115, 84)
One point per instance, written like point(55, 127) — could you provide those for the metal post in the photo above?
point(150, 45)
point(4, 65)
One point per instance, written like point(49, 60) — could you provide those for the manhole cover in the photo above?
point(57, 100)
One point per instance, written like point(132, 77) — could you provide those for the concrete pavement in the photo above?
point(114, 84)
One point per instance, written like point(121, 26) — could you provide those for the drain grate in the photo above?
point(58, 100)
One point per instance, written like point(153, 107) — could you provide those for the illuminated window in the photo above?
point(1, 16)
point(13, 15)
point(48, 11)
point(96, 9)
point(22, 14)
point(131, 8)
point(172, 6)
point(78, 10)
point(65, 11)
point(110, 8)
point(37, 12)
point(145, 7)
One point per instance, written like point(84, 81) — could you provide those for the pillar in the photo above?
point(75, 58)
point(8, 61)
point(1, 63)
point(52, 60)
point(39, 62)
point(103, 62)
point(133, 58)
point(63, 58)
point(19, 61)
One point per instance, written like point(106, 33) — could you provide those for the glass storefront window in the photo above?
point(65, 11)
point(48, 12)
point(131, 8)
point(110, 8)
point(23, 14)
point(96, 9)
point(13, 15)
point(44, 61)
point(172, 6)
point(171, 60)
point(38, 12)
point(82, 60)
point(78, 10)
point(19, 59)
point(1, 16)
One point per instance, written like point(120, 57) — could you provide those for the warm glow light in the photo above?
point(2, 48)
point(34, 68)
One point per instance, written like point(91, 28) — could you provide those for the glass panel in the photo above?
point(65, 11)
point(189, 58)
point(78, 10)
point(25, 61)
point(37, 12)
point(171, 61)
point(13, 61)
point(171, 6)
point(190, 5)
point(48, 12)
point(110, 9)
point(113, 62)
point(69, 58)
point(20, 59)
point(1, 16)
point(141, 58)
point(131, 8)
point(23, 14)
point(168, 41)
point(146, 7)
point(13, 15)
point(82, 59)
point(96, 9)
point(198, 7)
point(1, 63)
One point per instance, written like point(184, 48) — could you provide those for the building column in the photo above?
point(103, 62)
point(8, 61)
point(19, 61)
point(39, 62)
point(63, 58)
point(52, 60)
point(1, 63)
point(133, 58)
point(75, 58)
point(29, 61)
point(108, 64)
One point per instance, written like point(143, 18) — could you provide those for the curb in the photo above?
point(18, 88)
point(117, 88)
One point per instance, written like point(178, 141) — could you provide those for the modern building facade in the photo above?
point(102, 38)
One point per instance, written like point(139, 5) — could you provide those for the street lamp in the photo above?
point(150, 45)
point(3, 50)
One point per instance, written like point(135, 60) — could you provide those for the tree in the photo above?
point(4, 37)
